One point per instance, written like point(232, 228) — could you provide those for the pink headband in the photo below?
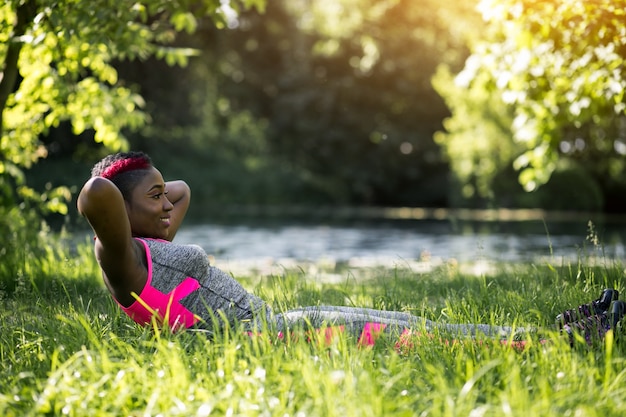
point(125, 165)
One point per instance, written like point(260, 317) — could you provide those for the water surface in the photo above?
point(396, 241)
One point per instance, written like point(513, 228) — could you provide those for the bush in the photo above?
point(33, 256)
point(571, 187)
point(20, 244)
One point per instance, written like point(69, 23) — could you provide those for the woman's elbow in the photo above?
point(93, 194)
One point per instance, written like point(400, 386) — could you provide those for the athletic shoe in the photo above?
point(591, 328)
point(618, 310)
point(594, 308)
point(595, 327)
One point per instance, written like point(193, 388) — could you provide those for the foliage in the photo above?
point(546, 83)
point(22, 245)
point(332, 102)
point(57, 70)
point(575, 188)
point(476, 142)
point(67, 349)
point(344, 89)
point(268, 113)
point(197, 134)
point(57, 66)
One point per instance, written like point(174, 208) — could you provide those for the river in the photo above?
point(264, 245)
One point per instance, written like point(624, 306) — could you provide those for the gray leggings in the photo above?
point(222, 299)
point(354, 319)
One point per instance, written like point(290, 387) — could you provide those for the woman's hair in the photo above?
point(124, 169)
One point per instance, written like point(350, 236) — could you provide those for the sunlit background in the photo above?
point(315, 106)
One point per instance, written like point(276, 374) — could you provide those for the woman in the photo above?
point(135, 215)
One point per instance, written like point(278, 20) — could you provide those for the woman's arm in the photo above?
point(102, 204)
point(179, 194)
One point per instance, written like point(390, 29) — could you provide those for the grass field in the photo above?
point(66, 349)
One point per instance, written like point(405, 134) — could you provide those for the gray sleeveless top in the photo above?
point(219, 296)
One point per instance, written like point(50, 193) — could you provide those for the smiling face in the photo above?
point(148, 207)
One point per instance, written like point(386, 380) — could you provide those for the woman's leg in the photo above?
point(358, 321)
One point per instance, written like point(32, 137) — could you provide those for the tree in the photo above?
point(345, 87)
point(56, 67)
point(544, 89)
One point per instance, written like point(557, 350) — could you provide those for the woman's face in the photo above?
point(148, 208)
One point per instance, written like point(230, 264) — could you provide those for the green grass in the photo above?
point(66, 349)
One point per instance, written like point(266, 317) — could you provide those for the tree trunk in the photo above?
point(9, 76)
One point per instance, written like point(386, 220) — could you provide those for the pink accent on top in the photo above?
point(163, 307)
